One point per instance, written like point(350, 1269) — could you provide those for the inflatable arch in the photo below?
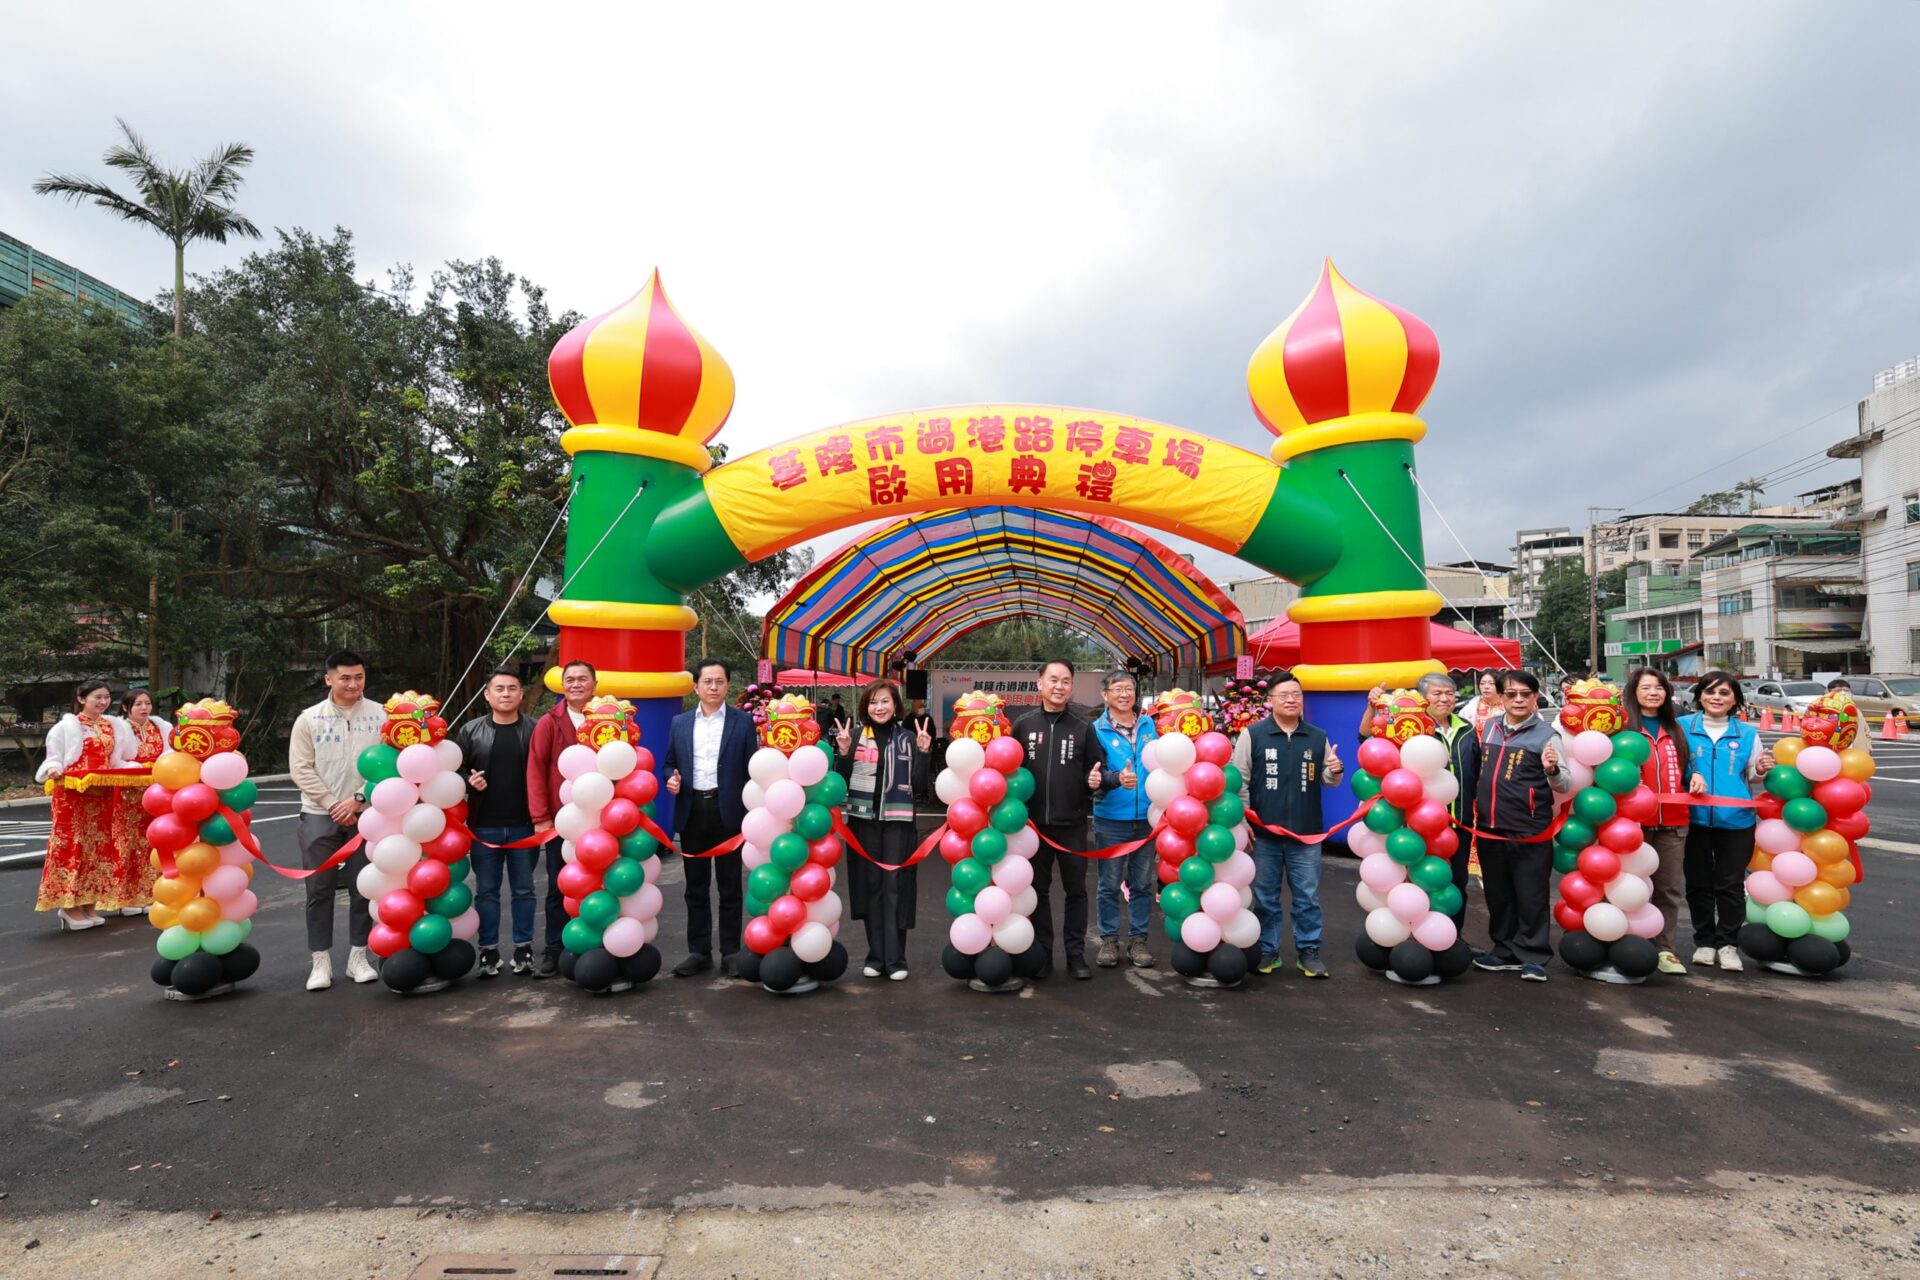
point(1334, 508)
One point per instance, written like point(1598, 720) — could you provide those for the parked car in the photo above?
point(1783, 695)
point(1877, 695)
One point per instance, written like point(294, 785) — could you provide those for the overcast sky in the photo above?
point(1655, 240)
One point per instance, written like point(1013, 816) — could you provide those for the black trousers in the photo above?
point(1517, 878)
point(1716, 870)
point(556, 907)
point(703, 831)
point(1073, 887)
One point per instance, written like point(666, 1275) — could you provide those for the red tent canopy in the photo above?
point(1278, 645)
point(796, 678)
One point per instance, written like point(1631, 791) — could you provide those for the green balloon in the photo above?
point(1406, 846)
point(579, 936)
point(1430, 874)
point(625, 876)
point(378, 762)
point(1020, 785)
point(1446, 900)
point(988, 846)
point(971, 875)
point(787, 852)
point(458, 871)
point(246, 927)
point(1565, 859)
point(1178, 902)
point(1789, 920)
point(1227, 811)
point(1214, 843)
point(217, 831)
point(222, 938)
point(430, 934)
point(1235, 780)
point(239, 798)
point(1804, 814)
point(755, 906)
point(1170, 925)
point(638, 844)
point(1632, 746)
point(1384, 818)
point(1576, 835)
point(1593, 806)
point(1834, 928)
point(1616, 776)
point(599, 909)
point(1365, 785)
point(1008, 816)
point(453, 902)
point(1785, 782)
point(1756, 912)
point(812, 822)
point(829, 791)
point(768, 881)
point(1196, 874)
point(959, 901)
point(177, 943)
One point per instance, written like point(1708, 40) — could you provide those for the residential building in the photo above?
point(24, 269)
point(1533, 551)
point(1658, 622)
point(1887, 515)
point(1475, 592)
point(1783, 600)
point(1669, 536)
point(1262, 600)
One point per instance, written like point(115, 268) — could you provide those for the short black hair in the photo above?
point(344, 658)
point(580, 662)
point(1057, 662)
point(1838, 683)
point(508, 672)
point(700, 667)
point(1525, 679)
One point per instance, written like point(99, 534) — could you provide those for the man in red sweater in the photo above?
point(556, 731)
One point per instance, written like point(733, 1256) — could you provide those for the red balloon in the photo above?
point(1622, 835)
point(955, 847)
point(966, 817)
point(642, 761)
point(1867, 787)
point(450, 845)
point(988, 787)
point(1840, 796)
point(1429, 818)
point(572, 905)
point(637, 787)
point(400, 909)
point(1579, 890)
point(810, 883)
point(575, 881)
point(1444, 845)
point(1639, 805)
point(595, 850)
point(196, 802)
point(1379, 757)
point(1169, 871)
point(1850, 825)
point(170, 833)
point(428, 879)
point(1569, 917)
point(1770, 806)
point(1186, 815)
point(1205, 782)
point(1213, 747)
point(1402, 788)
point(761, 936)
point(619, 816)
point(787, 913)
point(1172, 846)
point(1599, 865)
point(385, 940)
point(1005, 754)
point(825, 852)
point(156, 800)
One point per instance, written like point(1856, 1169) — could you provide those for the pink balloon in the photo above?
point(1408, 902)
point(241, 908)
point(1435, 932)
point(1221, 901)
point(1200, 931)
point(417, 763)
point(1005, 754)
point(1379, 757)
point(224, 883)
point(970, 935)
point(578, 759)
point(1794, 869)
point(1238, 870)
point(643, 904)
point(624, 936)
point(993, 904)
point(761, 827)
point(377, 826)
point(1645, 921)
point(785, 799)
point(466, 925)
point(1149, 758)
point(1765, 888)
point(807, 766)
point(1012, 873)
point(1591, 747)
point(1403, 788)
point(394, 796)
point(228, 769)
point(1775, 836)
point(1213, 747)
point(1380, 872)
point(1818, 764)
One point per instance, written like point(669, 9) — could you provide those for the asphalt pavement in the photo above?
point(524, 1093)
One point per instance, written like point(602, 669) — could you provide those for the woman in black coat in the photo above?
point(885, 761)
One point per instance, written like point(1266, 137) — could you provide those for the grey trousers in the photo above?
point(320, 838)
point(1669, 879)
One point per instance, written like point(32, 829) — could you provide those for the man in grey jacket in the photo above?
point(323, 756)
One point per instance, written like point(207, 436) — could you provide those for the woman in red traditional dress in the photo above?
point(77, 876)
point(133, 869)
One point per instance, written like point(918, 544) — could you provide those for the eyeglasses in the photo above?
point(1521, 693)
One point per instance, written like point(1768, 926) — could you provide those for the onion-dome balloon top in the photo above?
point(1341, 353)
point(640, 365)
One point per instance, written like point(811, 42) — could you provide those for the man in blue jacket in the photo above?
point(1120, 816)
point(706, 768)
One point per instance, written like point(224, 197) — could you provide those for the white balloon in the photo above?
point(650, 868)
point(592, 791)
point(1386, 928)
point(1643, 861)
point(616, 759)
point(1164, 788)
point(948, 786)
point(567, 853)
point(423, 822)
point(752, 855)
point(1154, 814)
point(811, 941)
point(572, 822)
point(1442, 787)
point(1425, 755)
point(1242, 931)
point(1369, 900)
point(395, 854)
point(964, 755)
point(444, 790)
point(1014, 934)
point(1026, 901)
point(1246, 896)
point(1629, 892)
point(825, 909)
point(447, 751)
point(1174, 752)
point(653, 928)
point(374, 883)
point(767, 766)
point(753, 796)
point(1605, 921)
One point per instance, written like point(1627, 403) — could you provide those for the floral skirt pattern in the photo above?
point(89, 861)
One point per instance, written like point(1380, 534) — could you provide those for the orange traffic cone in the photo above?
point(1899, 724)
point(1790, 722)
point(1766, 719)
point(1886, 728)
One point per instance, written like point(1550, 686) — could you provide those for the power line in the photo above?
point(1506, 601)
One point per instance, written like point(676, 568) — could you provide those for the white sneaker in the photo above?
point(322, 976)
point(1730, 959)
point(359, 967)
point(1703, 956)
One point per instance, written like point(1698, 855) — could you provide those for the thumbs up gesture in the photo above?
point(1093, 777)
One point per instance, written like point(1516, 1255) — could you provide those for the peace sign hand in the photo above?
point(923, 733)
point(843, 734)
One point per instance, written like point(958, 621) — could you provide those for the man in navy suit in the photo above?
point(706, 770)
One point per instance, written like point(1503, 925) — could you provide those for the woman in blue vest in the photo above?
point(1725, 758)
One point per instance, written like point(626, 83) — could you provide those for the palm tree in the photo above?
point(192, 204)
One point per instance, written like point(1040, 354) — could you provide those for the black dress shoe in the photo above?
point(728, 968)
point(1078, 968)
point(549, 966)
point(1044, 971)
point(692, 965)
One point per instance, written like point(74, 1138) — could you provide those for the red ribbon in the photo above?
point(1120, 850)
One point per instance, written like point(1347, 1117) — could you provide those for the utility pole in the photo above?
point(1594, 662)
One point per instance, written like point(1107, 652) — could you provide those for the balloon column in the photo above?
point(790, 851)
point(1405, 843)
point(201, 903)
point(1806, 848)
point(1606, 869)
point(415, 879)
point(611, 883)
point(990, 845)
point(1202, 838)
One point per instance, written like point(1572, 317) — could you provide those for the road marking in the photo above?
point(1891, 846)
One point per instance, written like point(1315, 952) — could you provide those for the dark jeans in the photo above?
point(1717, 860)
point(1073, 885)
point(556, 901)
point(1278, 861)
point(488, 863)
point(1136, 869)
point(1516, 879)
point(704, 830)
point(320, 838)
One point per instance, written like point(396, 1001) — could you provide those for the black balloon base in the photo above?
point(1793, 970)
point(174, 993)
point(203, 975)
point(1607, 973)
point(1431, 980)
point(1208, 982)
point(409, 972)
point(799, 988)
point(428, 987)
point(1005, 988)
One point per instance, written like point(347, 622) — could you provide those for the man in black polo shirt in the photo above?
point(495, 750)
